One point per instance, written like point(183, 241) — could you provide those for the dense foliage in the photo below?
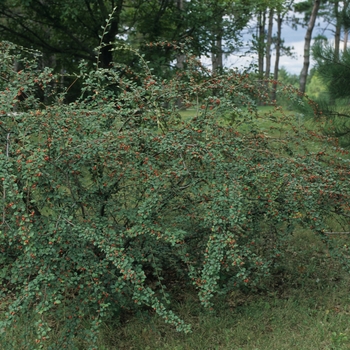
point(332, 73)
point(67, 31)
point(333, 68)
point(111, 201)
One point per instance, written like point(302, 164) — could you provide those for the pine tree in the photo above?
point(334, 70)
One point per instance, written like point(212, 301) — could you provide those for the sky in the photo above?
point(296, 38)
point(293, 38)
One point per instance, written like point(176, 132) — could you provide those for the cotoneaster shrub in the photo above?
point(108, 201)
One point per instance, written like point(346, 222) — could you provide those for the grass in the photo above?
point(296, 322)
point(281, 125)
point(275, 122)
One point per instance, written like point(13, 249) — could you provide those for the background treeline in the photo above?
point(66, 32)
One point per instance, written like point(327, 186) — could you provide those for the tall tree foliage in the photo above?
point(335, 13)
point(266, 35)
point(220, 27)
point(70, 31)
point(333, 67)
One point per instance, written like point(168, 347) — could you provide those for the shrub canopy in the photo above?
point(110, 201)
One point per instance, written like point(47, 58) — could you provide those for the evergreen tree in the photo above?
point(334, 70)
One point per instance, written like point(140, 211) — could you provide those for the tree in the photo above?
point(316, 88)
point(335, 13)
point(333, 67)
point(221, 27)
point(307, 45)
point(72, 30)
point(269, 43)
point(261, 40)
point(264, 39)
point(278, 54)
point(282, 10)
point(69, 30)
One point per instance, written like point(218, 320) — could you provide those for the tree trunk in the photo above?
point(216, 56)
point(180, 58)
point(345, 27)
point(106, 55)
point(346, 36)
point(278, 55)
point(338, 25)
point(179, 4)
point(268, 44)
point(261, 41)
point(307, 45)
